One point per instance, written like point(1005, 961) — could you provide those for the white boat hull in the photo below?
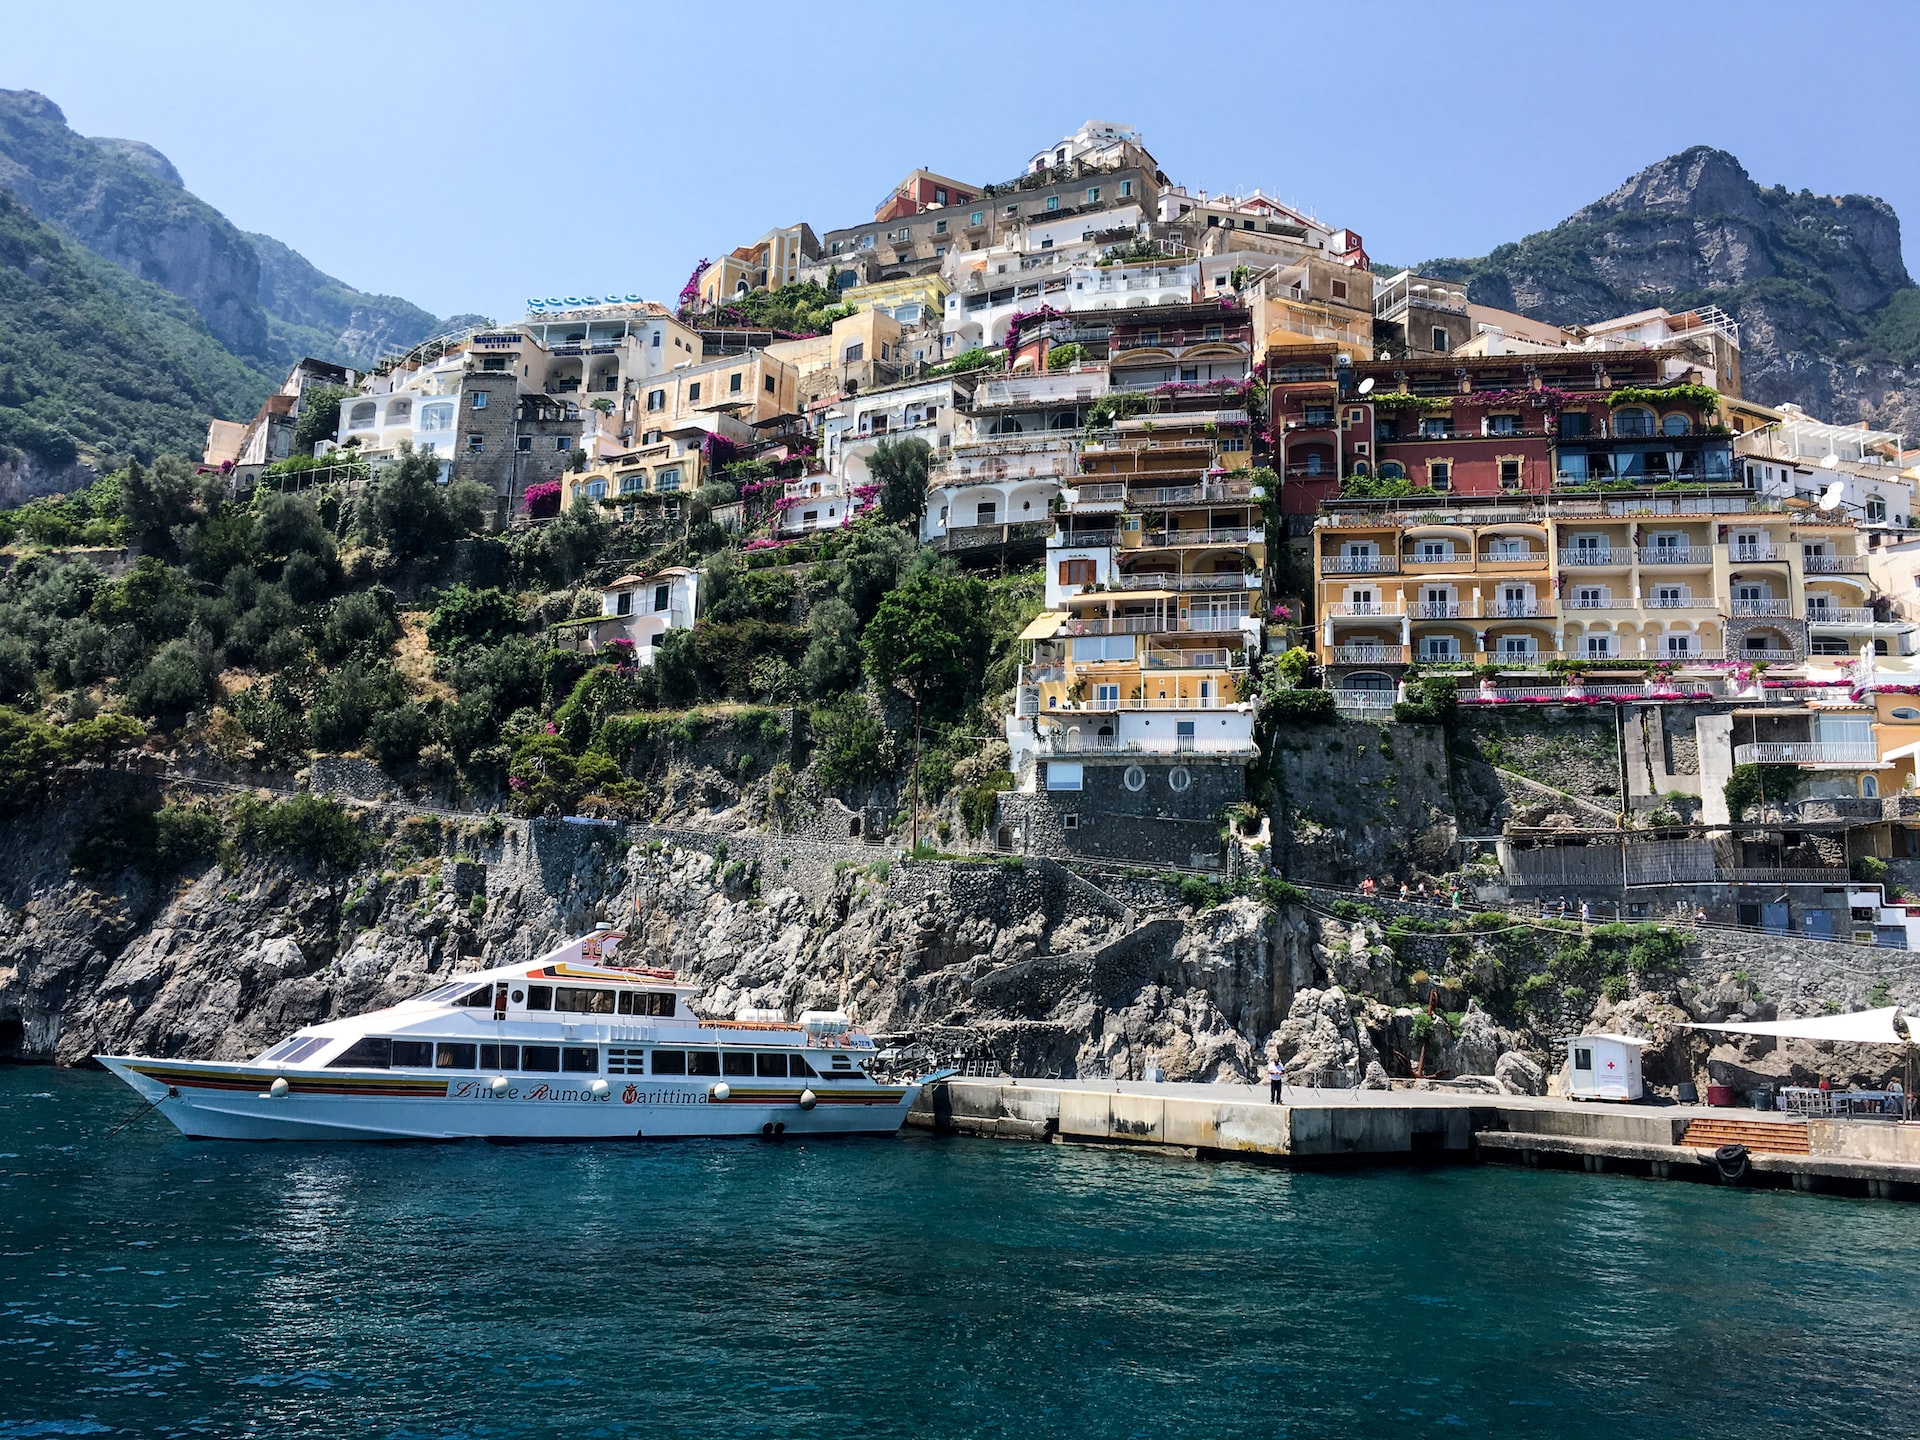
point(210, 1100)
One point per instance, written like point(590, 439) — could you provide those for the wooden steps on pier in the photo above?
point(1772, 1137)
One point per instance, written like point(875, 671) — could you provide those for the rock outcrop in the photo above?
point(1810, 278)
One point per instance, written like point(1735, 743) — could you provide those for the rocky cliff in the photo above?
point(125, 201)
point(1826, 308)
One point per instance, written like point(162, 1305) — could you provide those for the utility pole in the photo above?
point(916, 771)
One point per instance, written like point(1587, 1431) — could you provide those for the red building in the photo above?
point(1477, 426)
point(922, 190)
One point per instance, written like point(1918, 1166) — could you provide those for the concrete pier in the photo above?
point(1320, 1127)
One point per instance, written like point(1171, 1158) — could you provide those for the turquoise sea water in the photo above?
point(154, 1286)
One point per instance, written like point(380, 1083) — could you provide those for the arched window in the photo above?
point(1869, 788)
point(361, 416)
point(1361, 469)
point(1633, 421)
point(1392, 470)
point(1314, 463)
point(1675, 424)
point(1877, 509)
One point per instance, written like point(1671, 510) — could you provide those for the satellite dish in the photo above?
point(1366, 386)
point(1832, 462)
point(1830, 500)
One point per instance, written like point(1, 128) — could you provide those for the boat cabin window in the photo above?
point(413, 1054)
point(445, 993)
point(478, 998)
point(702, 1062)
point(669, 1062)
point(540, 1059)
point(797, 1065)
point(453, 1055)
point(646, 1002)
point(574, 1000)
point(733, 1063)
point(580, 1060)
point(367, 1053)
point(291, 1052)
point(539, 997)
point(499, 1057)
point(773, 1065)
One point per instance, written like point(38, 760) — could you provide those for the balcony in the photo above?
point(1676, 555)
point(1211, 493)
point(1064, 388)
point(1516, 609)
point(1229, 535)
point(1770, 608)
point(1149, 581)
point(1051, 744)
point(1364, 704)
point(1359, 565)
point(1748, 554)
point(1808, 752)
point(1369, 655)
point(1605, 555)
point(1840, 615)
point(1513, 557)
point(1354, 609)
point(1440, 610)
point(1611, 602)
point(1083, 539)
point(1106, 496)
point(1680, 602)
point(1835, 564)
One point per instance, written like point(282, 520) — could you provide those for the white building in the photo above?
point(1096, 143)
point(639, 610)
point(419, 406)
point(1798, 457)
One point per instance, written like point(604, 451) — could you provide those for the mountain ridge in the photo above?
point(1829, 315)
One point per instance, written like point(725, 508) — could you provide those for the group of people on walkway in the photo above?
point(1414, 894)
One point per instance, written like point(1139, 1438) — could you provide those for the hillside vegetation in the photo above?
point(254, 632)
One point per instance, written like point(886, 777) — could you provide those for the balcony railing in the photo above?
point(1369, 654)
point(1082, 539)
point(1516, 609)
point(1746, 553)
point(1364, 704)
point(1610, 602)
point(1210, 494)
point(1756, 608)
point(1229, 535)
point(1439, 610)
point(1807, 752)
point(1520, 557)
point(1359, 564)
point(1113, 745)
point(1249, 581)
point(1107, 492)
point(1676, 555)
point(1839, 615)
point(1835, 564)
point(1605, 555)
point(1347, 609)
point(1679, 602)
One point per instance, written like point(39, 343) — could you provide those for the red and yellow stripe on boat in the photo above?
point(194, 1077)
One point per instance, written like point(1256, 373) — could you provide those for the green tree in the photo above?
point(157, 499)
point(467, 617)
point(410, 513)
point(930, 639)
point(319, 417)
point(900, 469)
point(849, 742)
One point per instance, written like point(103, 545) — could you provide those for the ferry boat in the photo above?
point(570, 1047)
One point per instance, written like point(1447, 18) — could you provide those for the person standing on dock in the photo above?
point(1276, 1080)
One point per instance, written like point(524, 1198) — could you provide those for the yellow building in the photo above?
point(1700, 581)
point(1312, 300)
point(910, 300)
point(775, 259)
point(664, 473)
point(751, 387)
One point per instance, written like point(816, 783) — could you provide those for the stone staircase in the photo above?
point(1771, 1137)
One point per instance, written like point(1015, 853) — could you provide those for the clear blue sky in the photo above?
point(468, 157)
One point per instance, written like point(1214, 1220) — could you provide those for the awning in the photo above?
point(1864, 1027)
point(1045, 625)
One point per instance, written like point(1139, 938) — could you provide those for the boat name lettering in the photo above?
point(630, 1095)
